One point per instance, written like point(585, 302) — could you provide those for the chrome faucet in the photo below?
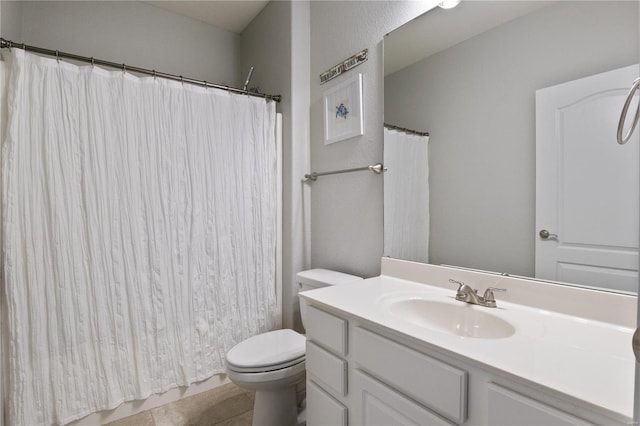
point(468, 295)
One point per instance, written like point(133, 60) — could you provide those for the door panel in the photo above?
point(587, 185)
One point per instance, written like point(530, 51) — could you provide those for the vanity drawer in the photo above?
point(510, 408)
point(322, 409)
point(433, 383)
point(381, 405)
point(327, 330)
point(327, 369)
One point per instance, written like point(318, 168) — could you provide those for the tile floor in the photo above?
point(226, 405)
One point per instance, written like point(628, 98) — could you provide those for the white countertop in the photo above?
point(583, 358)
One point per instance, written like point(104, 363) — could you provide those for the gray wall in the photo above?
point(297, 232)
point(346, 210)
point(131, 32)
point(478, 103)
point(276, 43)
point(10, 20)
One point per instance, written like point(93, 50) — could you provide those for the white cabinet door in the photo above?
point(439, 386)
point(322, 409)
point(512, 409)
point(379, 405)
point(327, 369)
point(586, 184)
point(328, 330)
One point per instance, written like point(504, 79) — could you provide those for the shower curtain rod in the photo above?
point(403, 129)
point(124, 67)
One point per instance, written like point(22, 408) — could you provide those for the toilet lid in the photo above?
point(267, 349)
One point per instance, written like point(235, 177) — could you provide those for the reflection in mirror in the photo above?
point(406, 189)
point(521, 101)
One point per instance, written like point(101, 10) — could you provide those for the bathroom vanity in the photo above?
point(399, 349)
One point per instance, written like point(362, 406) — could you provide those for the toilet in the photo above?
point(273, 364)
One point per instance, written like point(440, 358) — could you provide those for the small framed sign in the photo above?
point(344, 66)
point(343, 114)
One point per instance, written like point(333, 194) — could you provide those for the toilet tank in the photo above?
point(316, 278)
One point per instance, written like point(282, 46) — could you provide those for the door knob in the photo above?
point(636, 344)
point(545, 235)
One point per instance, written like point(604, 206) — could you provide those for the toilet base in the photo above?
point(278, 392)
point(275, 407)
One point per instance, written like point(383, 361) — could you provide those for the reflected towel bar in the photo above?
point(376, 168)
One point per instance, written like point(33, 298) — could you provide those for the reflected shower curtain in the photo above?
point(406, 196)
point(139, 235)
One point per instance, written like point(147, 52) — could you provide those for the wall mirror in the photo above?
point(488, 80)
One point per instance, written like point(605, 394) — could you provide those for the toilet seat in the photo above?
point(265, 352)
point(269, 380)
point(266, 368)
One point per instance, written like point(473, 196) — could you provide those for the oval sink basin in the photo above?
point(461, 319)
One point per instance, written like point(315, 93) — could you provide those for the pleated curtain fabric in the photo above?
point(406, 196)
point(139, 235)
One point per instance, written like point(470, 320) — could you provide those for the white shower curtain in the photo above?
point(139, 234)
point(406, 196)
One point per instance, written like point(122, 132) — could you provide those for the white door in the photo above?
point(586, 184)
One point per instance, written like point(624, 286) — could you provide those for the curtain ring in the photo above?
point(57, 56)
point(93, 62)
point(206, 85)
point(154, 74)
point(182, 80)
point(124, 68)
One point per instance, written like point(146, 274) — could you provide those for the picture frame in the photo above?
point(343, 112)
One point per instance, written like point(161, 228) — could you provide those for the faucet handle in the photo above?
point(489, 298)
point(460, 284)
point(462, 287)
point(465, 292)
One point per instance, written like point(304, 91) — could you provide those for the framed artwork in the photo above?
point(343, 115)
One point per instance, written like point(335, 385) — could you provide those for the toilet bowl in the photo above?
point(273, 363)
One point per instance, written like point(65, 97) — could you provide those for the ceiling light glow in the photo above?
point(449, 4)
